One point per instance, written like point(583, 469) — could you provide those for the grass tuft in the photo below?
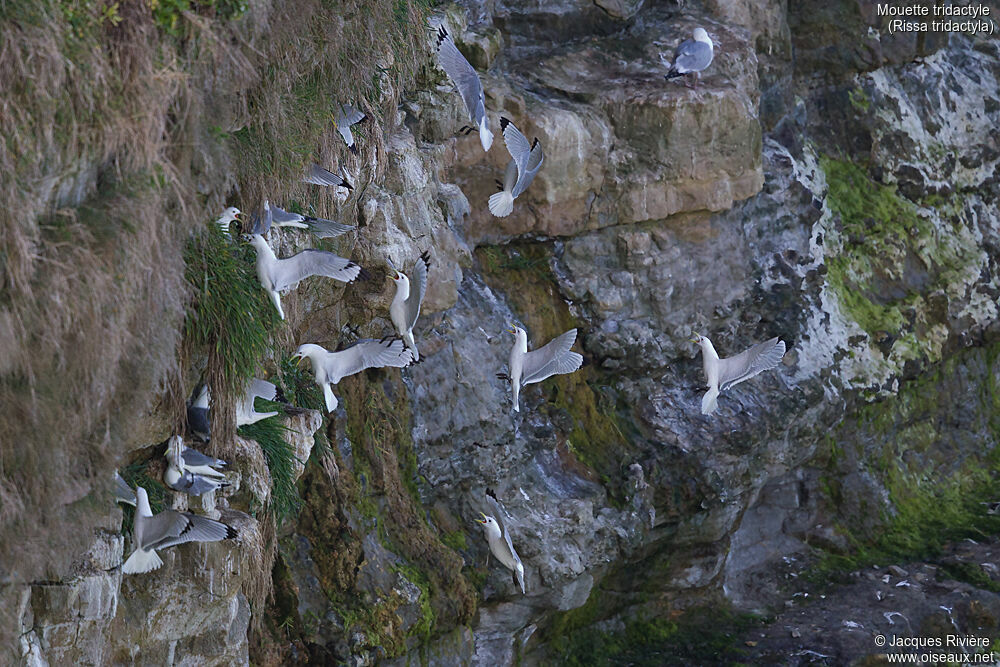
point(270, 435)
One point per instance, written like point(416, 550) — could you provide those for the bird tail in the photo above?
point(517, 408)
point(485, 136)
point(708, 401)
point(142, 561)
point(331, 400)
point(520, 576)
point(501, 204)
point(412, 344)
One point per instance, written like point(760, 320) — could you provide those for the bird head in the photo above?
point(696, 339)
point(514, 328)
point(701, 36)
point(306, 351)
point(486, 520)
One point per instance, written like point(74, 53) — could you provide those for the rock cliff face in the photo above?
point(826, 182)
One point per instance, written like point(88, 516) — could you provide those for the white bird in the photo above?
point(329, 368)
point(500, 544)
point(553, 358)
point(179, 478)
point(319, 176)
point(228, 216)
point(321, 227)
point(692, 55)
point(405, 307)
point(526, 160)
point(279, 275)
point(467, 81)
point(166, 529)
point(245, 411)
point(721, 374)
point(197, 413)
point(123, 492)
point(345, 117)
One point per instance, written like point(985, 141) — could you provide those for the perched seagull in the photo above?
point(321, 227)
point(553, 358)
point(279, 275)
point(228, 216)
point(319, 176)
point(346, 117)
point(467, 81)
point(245, 411)
point(692, 56)
point(197, 463)
point(197, 414)
point(721, 374)
point(166, 529)
point(405, 307)
point(526, 160)
point(500, 544)
point(178, 478)
point(329, 368)
point(123, 492)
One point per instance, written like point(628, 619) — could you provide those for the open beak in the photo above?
point(483, 519)
point(694, 339)
point(298, 360)
point(511, 329)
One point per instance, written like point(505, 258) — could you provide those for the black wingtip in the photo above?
point(442, 35)
point(230, 532)
point(672, 75)
point(499, 185)
point(362, 273)
point(504, 122)
point(534, 143)
point(353, 148)
point(346, 184)
point(492, 494)
point(426, 257)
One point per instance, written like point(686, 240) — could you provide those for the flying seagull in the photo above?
point(467, 81)
point(197, 413)
point(177, 477)
point(321, 227)
point(500, 545)
point(245, 411)
point(329, 368)
point(279, 275)
point(319, 176)
point(347, 116)
point(553, 358)
point(692, 56)
point(123, 492)
point(721, 374)
point(405, 307)
point(166, 529)
point(526, 160)
point(228, 216)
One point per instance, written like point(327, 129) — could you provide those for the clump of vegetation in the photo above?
point(270, 435)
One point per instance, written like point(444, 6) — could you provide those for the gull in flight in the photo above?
point(405, 307)
point(166, 529)
point(329, 368)
point(123, 492)
point(197, 414)
point(179, 478)
point(692, 56)
point(500, 545)
point(526, 160)
point(347, 116)
point(278, 217)
point(467, 81)
point(228, 216)
point(553, 358)
point(279, 275)
point(319, 176)
point(721, 374)
point(245, 411)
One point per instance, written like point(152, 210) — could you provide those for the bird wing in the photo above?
point(327, 229)
point(748, 363)
point(418, 286)
point(319, 176)
point(510, 176)
point(194, 485)
point(517, 145)
point(692, 56)
point(347, 115)
point(368, 353)
point(123, 492)
point(194, 458)
point(553, 358)
point(169, 528)
point(261, 389)
point(280, 216)
point(500, 515)
point(289, 272)
point(531, 167)
point(261, 222)
point(463, 74)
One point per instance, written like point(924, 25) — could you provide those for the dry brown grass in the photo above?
point(116, 141)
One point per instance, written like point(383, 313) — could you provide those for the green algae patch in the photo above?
point(932, 450)
point(595, 438)
point(886, 258)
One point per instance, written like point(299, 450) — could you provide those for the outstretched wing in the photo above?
point(533, 164)
point(418, 286)
point(757, 359)
point(319, 176)
point(517, 145)
point(289, 272)
point(463, 74)
point(368, 353)
point(169, 528)
point(327, 229)
point(554, 358)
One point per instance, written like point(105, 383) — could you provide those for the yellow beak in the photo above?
point(694, 339)
point(483, 520)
